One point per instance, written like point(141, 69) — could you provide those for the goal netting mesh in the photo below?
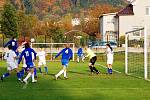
point(137, 53)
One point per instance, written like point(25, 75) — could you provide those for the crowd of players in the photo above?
point(13, 58)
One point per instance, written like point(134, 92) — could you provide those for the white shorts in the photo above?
point(42, 62)
point(110, 59)
point(11, 66)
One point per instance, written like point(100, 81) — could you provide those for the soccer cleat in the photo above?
point(34, 81)
point(25, 81)
point(2, 78)
point(20, 80)
point(66, 78)
point(97, 72)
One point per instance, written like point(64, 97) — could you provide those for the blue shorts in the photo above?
point(80, 55)
point(30, 65)
point(65, 62)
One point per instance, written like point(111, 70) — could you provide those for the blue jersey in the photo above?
point(27, 53)
point(80, 52)
point(66, 54)
point(13, 43)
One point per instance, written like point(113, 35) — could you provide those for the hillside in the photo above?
point(57, 8)
point(2, 3)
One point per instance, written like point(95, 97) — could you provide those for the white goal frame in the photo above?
point(73, 47)
point(145, 52)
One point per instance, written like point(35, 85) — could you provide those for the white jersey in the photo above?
point(10, 56)
point(11, 61)
point(41, 55)
point(109, 53)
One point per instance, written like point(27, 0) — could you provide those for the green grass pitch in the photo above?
point(79, 86)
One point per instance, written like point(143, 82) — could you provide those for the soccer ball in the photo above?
point(32, 40)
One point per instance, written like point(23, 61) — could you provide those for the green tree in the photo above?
point(57, 35)
point(9, 25)
point(27, 24)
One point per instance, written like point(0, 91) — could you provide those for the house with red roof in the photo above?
point(134, 16)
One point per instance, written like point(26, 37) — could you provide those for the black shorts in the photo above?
point(93, 60)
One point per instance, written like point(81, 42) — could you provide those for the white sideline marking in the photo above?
point(106, 68)
point(93, 88)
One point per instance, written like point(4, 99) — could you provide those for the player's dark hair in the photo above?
point(27, 45)
point(109, 47)
point(13, 37)
point(9, 47)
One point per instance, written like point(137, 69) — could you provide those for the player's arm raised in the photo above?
point(58, 54)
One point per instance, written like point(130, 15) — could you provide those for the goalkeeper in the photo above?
point(92, 56)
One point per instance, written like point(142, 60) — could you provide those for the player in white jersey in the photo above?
point(11, 57)
point(109, 53)
point(92, 56)
point(42, 60)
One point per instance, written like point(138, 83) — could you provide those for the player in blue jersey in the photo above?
point(13, 43)
point(80, 55)
point(27, 54)
point(24, 67)
point(66, 57)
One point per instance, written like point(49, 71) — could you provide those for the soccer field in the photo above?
point(79, 86)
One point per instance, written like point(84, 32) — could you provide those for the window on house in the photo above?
point(148, 11)
point(137, 33)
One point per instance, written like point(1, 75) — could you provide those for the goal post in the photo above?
point(137, 53)
point(53, 48)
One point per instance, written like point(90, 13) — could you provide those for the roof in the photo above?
point(128, 10)
point(108, 14)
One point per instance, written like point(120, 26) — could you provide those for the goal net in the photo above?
point(137, 53)
point(52, 49)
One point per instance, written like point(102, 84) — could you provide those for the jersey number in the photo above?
point(7, 54)
point(13, 43)
point(27, 53)
point(66, 51)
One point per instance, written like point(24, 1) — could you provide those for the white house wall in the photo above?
point(108, 23)
point(139, 19)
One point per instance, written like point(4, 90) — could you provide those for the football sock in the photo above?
point(46, 69)
point(35, 73)
point(65, 73)
point(61, 72)
point(29, 74)
point(18, 75)
point(21, 73)
point(77, 59)
point(110, 71)
point(33, 77)
point(6, 75)
point(91, 68)
point(95, 69)
point(40, 70)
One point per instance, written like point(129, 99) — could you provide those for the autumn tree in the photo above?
point(92, 25)
point(27, 24)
